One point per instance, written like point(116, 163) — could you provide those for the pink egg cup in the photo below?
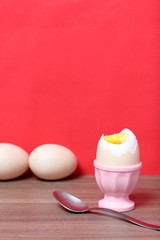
point(117, 183)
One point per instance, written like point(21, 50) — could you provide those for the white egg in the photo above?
point(13, 161)
point(52, 162)
point(124, 154)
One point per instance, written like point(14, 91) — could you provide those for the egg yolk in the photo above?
point(117, 138)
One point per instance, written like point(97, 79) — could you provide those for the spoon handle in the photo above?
point(129, 219)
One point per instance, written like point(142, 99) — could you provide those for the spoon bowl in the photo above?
point(76, 205)
point(70, 202)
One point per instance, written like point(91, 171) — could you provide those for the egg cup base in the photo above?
point(120, 205)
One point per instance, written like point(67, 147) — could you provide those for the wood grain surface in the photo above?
point(28, 210)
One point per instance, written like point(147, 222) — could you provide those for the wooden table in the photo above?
point(29, 211)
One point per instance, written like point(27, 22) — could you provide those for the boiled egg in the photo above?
point(13, 161)
point(120, 149)
point(52, 162)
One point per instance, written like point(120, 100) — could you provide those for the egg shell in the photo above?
point(52, 162)
point(124, 154)
point(13, 161)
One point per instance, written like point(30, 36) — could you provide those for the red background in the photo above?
point(72, 70)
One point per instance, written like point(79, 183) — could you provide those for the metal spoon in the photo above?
point(76, 205)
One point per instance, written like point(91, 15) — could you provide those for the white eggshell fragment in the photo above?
point(13, 161)
point(52, 162)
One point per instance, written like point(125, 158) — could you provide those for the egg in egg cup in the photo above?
point(117, 169)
